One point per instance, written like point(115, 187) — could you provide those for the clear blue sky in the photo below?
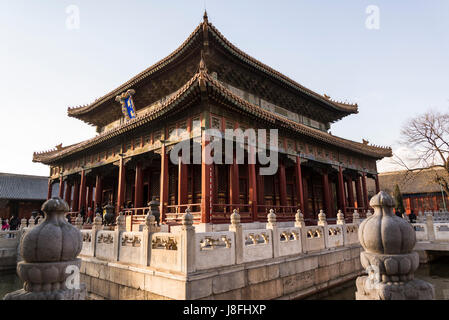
point(393, 73)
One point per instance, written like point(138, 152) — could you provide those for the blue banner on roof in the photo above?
point(130, 107)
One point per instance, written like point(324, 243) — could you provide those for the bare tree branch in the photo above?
point(427, 137)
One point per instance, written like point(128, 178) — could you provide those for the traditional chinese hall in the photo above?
point(209, 83)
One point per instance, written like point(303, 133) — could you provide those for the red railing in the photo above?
point(174, 213)
point(221, 213)
point(283, 213)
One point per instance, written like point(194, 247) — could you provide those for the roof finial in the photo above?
point(202, 67)
point(205, 18)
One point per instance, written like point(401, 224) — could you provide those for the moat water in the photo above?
point(9, 281)
point(437, 273)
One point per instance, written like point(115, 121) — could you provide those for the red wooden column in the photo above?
point(76, 193)
point(252, 182)
point(282, 184)
point(121, 186)
point(68, 193)
point(350, 192)
point(138, 187)
point(50, 188)
point(234, 192)
point(260, 192)
point(376, 179)
point(305, 209)
point(435, 206)
point(365, 192)
point(260, 189)
point(82, 197)
point(61, 188)
point(206, 183)
point(408, 206)
point(89, 197)
point(341, 190)
point(326, 193)
point(358, 191)
point(164, 183)
point(182, 183)
point(98, 190)
point(299, 186)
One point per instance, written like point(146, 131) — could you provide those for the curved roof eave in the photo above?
point(346, 108)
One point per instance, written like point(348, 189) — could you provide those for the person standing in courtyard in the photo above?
point(5, 225)
point(14, 223)
point(412, 216)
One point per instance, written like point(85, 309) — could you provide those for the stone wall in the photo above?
point(9, 242)
point(429, 228)
point(254, 261)
point(281, 278)
point(237, 261)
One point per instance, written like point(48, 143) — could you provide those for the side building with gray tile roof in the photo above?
point(419, 189)
point(22, 194)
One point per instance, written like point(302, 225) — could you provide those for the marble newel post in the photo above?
point(50, 268)
point(388, 257)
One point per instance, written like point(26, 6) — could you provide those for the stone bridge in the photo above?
point(432, 234)
point(9, 248)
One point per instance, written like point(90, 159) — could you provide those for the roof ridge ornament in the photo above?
point(205, 32)
point(346, 103)
point(202, 67)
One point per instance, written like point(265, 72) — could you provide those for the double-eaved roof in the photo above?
point(202, 82)
point(23, 187)
point(203, 31)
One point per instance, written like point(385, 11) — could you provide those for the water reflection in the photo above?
point(9, 281)
point(437, 273)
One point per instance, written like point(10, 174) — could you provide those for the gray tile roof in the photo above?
point(24, 187)
point(409, 182)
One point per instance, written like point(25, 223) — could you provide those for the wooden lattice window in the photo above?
point(155, 184)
